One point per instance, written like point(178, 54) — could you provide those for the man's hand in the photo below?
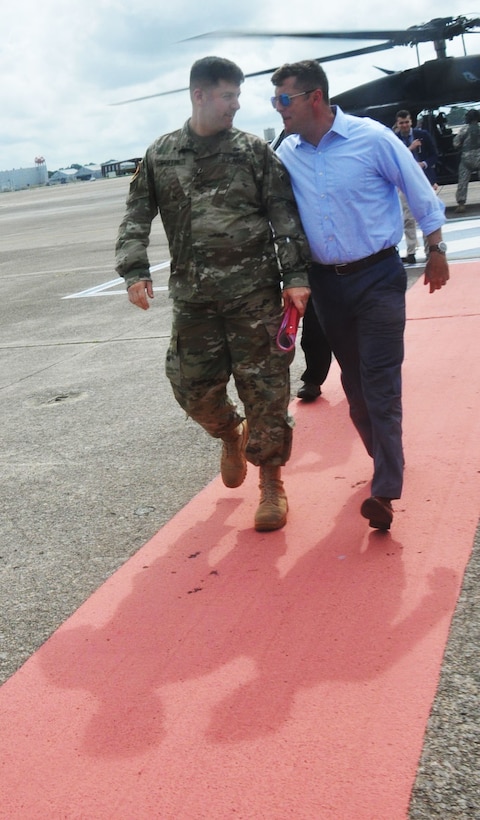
point(297, 296)
point(137, 293)
point(436, 271)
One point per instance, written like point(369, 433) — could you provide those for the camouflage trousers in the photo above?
point(409, 225)
point(469, 162)
point(213, 341)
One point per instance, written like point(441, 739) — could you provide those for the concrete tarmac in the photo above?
point(96, 455)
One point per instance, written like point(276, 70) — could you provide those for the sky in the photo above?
point(63, 64)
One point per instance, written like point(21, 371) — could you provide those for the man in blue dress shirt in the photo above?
point(345, 173)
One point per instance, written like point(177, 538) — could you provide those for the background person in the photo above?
point(318, 356)
point(468, 139)
point(345, 173)
point(422, 146)
point(234, 232)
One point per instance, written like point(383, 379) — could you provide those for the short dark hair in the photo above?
point(210, 71)
point(403, 114)
point(472, 115)
point(307, 73)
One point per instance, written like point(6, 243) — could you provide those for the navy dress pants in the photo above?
point(363, 315)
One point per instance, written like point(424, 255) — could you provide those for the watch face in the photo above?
point(441, 247)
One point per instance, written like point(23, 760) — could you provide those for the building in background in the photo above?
point(62, 176)
point(75, 174)
point(116, 168)
point(19, 178)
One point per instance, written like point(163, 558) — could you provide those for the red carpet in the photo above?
point(225, 673)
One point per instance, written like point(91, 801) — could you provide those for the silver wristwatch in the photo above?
point(440, 248)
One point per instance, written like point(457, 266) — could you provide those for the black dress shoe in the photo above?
point(309, 391)
point(379, 512)
point(409, 259)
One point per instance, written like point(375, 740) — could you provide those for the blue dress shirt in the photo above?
point(346, 189)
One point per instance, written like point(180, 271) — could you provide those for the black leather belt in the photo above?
point(354, 267)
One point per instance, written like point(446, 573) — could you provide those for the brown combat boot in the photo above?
point(272, 511)
point(233, 464)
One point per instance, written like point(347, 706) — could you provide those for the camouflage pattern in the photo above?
point(469, 162)
point(228, 211)
point(234, 233)
point(468, 138)
point(209, 342)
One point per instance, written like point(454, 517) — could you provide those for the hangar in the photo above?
point(116, 168)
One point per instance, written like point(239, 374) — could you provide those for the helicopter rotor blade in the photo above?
point(388, 71)
point(150, 96)
point(327, 59)
point(442, 28)
point(331, 57)
point(436, 31)
point(313, 35)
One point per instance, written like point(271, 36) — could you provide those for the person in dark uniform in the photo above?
point(318, 356)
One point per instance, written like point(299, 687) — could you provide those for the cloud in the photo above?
point(62, 64)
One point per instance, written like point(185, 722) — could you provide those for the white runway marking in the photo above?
point(106, 288)
point(461, 235)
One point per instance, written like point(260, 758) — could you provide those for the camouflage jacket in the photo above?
point(468, 138)
point(228, 211)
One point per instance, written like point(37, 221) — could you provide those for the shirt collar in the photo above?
point(340, 123)
point(339, 126)
point(407, 137)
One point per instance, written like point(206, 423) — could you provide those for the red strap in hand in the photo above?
point(287, 333)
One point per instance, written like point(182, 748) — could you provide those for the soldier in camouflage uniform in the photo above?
point(468, 139)
point(234, 233)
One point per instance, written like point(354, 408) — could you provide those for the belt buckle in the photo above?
point(339, 272)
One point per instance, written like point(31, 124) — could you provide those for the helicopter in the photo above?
point(442, 82)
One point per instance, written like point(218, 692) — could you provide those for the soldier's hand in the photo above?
point(297, 296)
point(138, 293)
